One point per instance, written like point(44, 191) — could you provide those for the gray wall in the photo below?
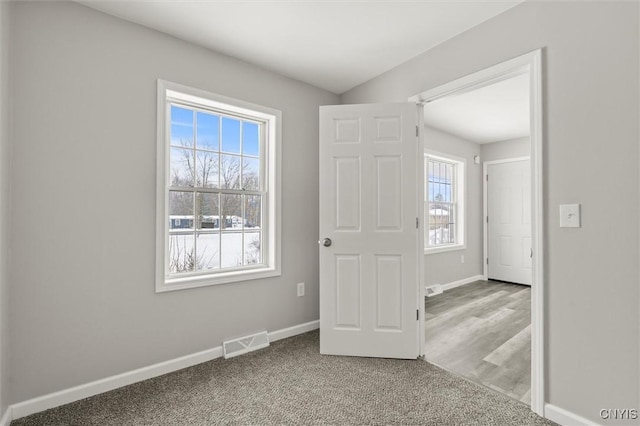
point(512, 148)
point(5, 9)
point(444, 268)
point(83, 305)
point(591, 124)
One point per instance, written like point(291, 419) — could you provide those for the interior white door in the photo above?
point(370, 160)
point(509, 221)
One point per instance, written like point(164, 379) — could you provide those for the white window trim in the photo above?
point(461, 211)
point(272, 229)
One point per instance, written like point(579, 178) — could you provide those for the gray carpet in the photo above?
point(291, 383)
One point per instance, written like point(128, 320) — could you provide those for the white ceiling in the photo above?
point(492, 113)
point(335, 45)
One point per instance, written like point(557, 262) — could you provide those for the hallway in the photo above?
point(482, 331)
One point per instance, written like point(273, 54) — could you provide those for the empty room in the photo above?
point(319, 212)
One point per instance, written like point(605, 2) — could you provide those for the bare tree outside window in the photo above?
point(217, 189)
point(441, 203)
point(213, 221)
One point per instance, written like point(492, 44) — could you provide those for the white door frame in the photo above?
point(530, 62)
point(485, 209)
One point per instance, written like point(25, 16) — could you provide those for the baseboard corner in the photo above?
point(458, 283)
point(6, 418)
point(564, 417)
point(294, 331)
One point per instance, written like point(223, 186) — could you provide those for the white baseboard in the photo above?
point(76, 393)
point(6, 418)
point(564, 417)
point(294, 331)
point(463, 281)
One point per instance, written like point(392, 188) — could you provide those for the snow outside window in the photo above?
point(217, 190)
point(444, 202)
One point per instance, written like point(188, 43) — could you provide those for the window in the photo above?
point(218, 202)
point(444, 205)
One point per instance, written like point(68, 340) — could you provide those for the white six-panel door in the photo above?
point(509, 221)
point(370, 160)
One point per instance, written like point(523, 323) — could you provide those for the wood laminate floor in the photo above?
point(482, 331)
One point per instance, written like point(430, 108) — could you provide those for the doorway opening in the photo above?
point(483, 239)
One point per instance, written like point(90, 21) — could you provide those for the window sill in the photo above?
point(453, 247)
point(182, 283)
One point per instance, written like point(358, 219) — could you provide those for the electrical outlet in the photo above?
point(300, 289)
point(462, 258)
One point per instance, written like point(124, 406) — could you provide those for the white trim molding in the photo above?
point(270, 156)
point(76, 393)
point(460, 197)
point(293, 331)
point(454, 284)
point(564, 417)
point(6, 418)
point(444, 249)
point(528, 63)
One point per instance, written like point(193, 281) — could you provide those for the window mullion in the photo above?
point(195, 194)
point(241, 156)
point(220, 166)
point(220, 225)
point(242, 216)
point(215, 190)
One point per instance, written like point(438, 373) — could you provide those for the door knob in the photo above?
point(326, 242)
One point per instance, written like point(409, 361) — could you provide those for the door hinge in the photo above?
point(487, 260)
point(487, 219)
point(417, 130)
point(487, 176)
point(417, 223)
point(417, 314)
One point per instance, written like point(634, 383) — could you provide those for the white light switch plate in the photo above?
point(569, 215)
